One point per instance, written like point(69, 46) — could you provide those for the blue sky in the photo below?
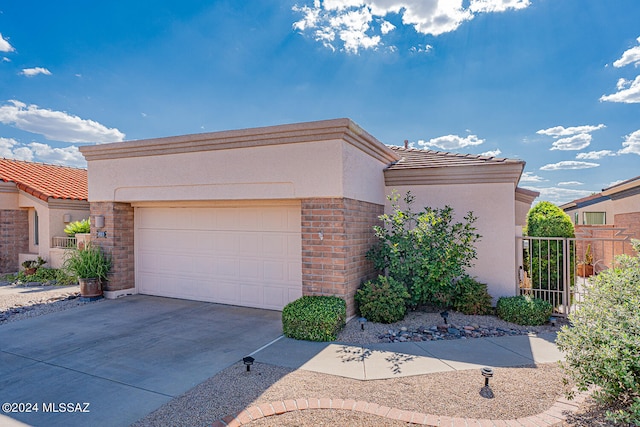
point(553, 82)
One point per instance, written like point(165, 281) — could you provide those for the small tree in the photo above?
point(603, 346)
point(546, 257)
point(425, 251)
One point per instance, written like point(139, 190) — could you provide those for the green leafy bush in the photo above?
point(425, 251)
point(77, 227)
point(524, 310)
point(471, 297)
point(49, 276)
point(603, 347)
point(314, 318)
point(382, 300)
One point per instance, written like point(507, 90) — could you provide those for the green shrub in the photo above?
point(78, 227)
point(47, 276)
point(471, 297)
point(524, 310)
point(425, 251)
point(602, 348)
point(382, 300)
point(314, 318)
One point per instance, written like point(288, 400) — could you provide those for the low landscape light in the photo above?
point(445, 315)
point(362, 321)
point(486, 373)
point(248, 361)
point(552, 320)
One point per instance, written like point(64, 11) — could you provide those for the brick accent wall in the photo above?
point(118, 242)
point(14, 238)
point(336, 264)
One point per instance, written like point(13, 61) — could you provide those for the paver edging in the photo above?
point(554, 416)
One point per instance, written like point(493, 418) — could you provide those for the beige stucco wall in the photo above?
point(522, 209)
point(494, 206)
point(607, 206)
point(8, 196)
point(627, 205)
point(303, 170)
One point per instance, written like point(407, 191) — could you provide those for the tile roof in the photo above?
point(45, 181)
point(412, 158)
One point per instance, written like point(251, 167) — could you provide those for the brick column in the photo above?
point(335, 264)
point(117, 242)
point(14, 238)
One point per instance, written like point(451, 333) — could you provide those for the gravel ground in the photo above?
point(19, 302)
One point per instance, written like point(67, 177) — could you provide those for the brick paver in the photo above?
point(553, 416)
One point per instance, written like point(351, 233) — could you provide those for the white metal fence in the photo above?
point(560, 270)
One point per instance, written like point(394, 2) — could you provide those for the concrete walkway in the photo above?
point(381, 361)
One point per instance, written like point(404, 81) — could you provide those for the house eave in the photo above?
point(480, 174)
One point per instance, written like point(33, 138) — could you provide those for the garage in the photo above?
point(239, 253)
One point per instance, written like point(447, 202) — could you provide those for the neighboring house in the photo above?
point(36, 202)
point(612, 214)
point(259, 217)
point(617, 205)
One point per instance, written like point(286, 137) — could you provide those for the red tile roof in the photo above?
point(45, 181)
point(413, 158)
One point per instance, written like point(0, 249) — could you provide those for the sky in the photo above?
point(555, 83)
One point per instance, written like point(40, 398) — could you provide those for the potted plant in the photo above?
point(585, 268)
point(90, 265)
point(32, 265)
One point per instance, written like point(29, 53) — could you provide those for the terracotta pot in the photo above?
point(90, 288)
point(30, 271)
point(584, 270)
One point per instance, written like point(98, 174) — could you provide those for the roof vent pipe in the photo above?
point(406, 143)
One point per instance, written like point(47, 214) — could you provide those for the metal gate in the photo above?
point(560, 270)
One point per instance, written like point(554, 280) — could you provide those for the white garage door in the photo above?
point(248, 255)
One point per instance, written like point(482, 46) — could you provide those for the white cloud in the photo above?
point(492, 153)
point(30, 72)
point(558, 131)
point(628, 92)
point(421, 48)
point(631, 144)
point(530, 177)
point(629, 56)
point(69, 156)
point(36, 151)
point(451, 142)
point(568, 164)
point(569, 183)
point(559, 195)
point(497, 5)
point(56, 125)
point(595, 155)
point(360, 24)
point(575, 142)
point(5, 46)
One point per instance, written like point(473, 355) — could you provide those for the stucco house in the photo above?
point(616, 205)
point(258, 217)
point(36, 202)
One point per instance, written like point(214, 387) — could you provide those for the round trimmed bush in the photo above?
point(382, 300)
point(524, 310)
point(314, 318)
point(471, 297)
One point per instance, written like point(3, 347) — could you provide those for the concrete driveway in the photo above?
point(124, 358)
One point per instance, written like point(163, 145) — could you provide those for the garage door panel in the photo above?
point(243, 256)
